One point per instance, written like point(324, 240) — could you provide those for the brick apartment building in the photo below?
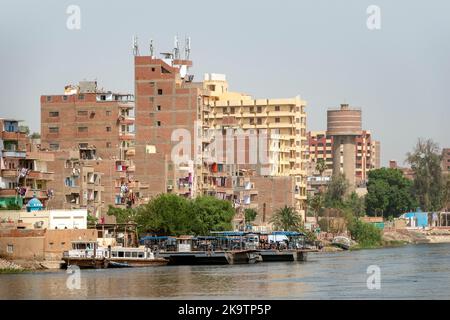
point(367, 154)
point(25, 171)
point(91, 133)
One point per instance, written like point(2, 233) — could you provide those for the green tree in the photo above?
point(356, 204)
point(366, 234)
point(166, 214)
point(286, 219)
point(388, 193)
point(250, 215)
point(334, 196)
point(316, 204)
point(210, 214)
point(35, 135)
point(321, 166)
point(24, 129)
point(122, 215)
point(428, 186)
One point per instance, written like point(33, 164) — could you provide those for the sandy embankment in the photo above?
point(418, 236)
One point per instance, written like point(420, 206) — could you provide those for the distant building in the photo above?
point(407, 172)
point(367, 154)
point(25, 170)
point(91, 133)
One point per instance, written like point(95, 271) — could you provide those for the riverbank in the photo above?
point(22, 265)
point(417, 236)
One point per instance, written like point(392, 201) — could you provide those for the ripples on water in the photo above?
point(411, 272)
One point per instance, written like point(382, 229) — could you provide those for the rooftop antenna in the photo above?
point(187, 48)
point(176, 50)
point(135, 46)
point(151, 47)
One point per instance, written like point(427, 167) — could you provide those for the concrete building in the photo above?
point(25, 171)
point(44, 219)
point(367, 154)
point(91, 131)
point(344, 125)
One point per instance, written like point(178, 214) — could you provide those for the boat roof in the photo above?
point(156, 238)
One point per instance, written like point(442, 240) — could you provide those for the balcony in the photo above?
point(126, 104)
point(126, 136)
point(38, 175)
point(124, 119)
point(9, 173)
point(40, 194)
point(15, 136)
point(8, 192)
point(15, 154)
point(41, 156)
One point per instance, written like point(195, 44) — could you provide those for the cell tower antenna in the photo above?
point(135, 46)
point(176, 50)
point(187, 48)
point(152, 49)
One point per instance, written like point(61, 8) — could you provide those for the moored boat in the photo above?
point(87, 254)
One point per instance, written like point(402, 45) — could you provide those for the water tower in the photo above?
point(344, 125)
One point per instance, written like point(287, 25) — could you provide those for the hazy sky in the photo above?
point(321, 50)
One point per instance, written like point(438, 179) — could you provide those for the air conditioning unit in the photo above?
point(169, 187)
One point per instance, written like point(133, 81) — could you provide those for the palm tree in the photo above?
point(286, 219)
point(321, 166)
point(316, 205)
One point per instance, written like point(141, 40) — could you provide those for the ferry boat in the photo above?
point(201, 250)
point(87, 254)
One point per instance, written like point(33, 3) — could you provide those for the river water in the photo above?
point(409, 272)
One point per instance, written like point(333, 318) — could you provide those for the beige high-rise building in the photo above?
point(282, 120)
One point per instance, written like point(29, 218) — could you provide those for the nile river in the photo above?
point(410, 272)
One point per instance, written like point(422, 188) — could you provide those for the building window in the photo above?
point(65, 98)
point(158, 123)
point(277, 108)
point(232, 110)
point(153, 69)
point(252, 109)
point(160, 92)
point(277, 120)
point(82, 129)
point(108, 129)
point(103, 97)
point(108, 113)
point(54, 146)
point(259, 109)
point(81, 97)
point(9, 248)
point(259, 121)
point(53, 129)
point(49, 98)
point(252, 121)
point(159, 108)
point(82, 113)
point(108, 144)
point(53, 114)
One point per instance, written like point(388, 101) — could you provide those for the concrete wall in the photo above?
point(41, 244)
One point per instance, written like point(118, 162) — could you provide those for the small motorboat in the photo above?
point(342, 242)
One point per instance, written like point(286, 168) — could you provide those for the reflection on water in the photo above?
point(418, 272)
